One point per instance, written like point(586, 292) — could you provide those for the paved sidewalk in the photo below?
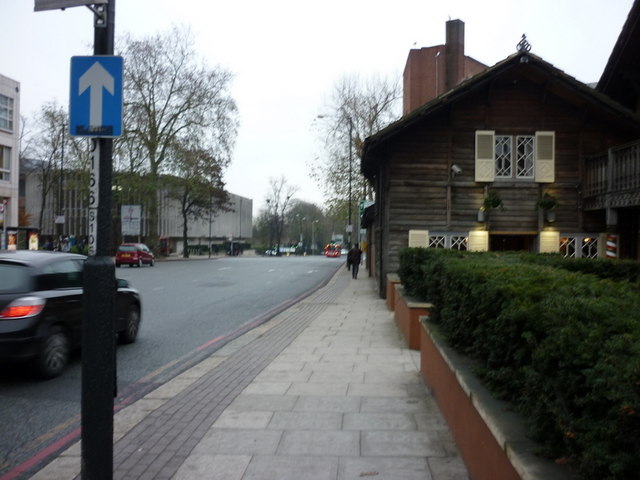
point(326, 390)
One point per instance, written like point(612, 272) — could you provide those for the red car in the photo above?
point(137, 254)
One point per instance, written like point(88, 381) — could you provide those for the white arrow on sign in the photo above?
point(96, 78)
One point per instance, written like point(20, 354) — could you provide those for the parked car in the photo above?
point(137, 254)
point(41, 308)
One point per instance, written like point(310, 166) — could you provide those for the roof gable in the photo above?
point(621, 77)
point(522, 63)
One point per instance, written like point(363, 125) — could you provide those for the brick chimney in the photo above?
point(454, 56)
point(432, 71)
point(423, 78)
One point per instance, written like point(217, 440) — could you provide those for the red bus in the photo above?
point(332, 250)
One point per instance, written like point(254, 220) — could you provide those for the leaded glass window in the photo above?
point(518, 162)
point(503, 156)
point(525, 157)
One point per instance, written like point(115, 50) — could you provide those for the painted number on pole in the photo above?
point(94, 176)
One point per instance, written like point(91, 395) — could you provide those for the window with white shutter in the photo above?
point(515, 157)
point(485, 155)
point(545, 157)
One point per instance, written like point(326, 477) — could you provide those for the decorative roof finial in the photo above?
point(523, 45)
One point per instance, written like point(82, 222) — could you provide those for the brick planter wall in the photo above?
point(491, 438)
point(407, 315)
point(392, 280)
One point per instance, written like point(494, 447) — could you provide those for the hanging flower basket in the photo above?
point(547, 202)
point(492, 201)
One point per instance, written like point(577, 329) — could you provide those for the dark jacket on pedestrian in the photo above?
point(354, 257)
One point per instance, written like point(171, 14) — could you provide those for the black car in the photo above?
point(41, 308)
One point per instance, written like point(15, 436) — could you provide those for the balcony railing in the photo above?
point(613, 178)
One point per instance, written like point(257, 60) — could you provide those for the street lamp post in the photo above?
point(276, 221)
point(210, 201)
point(313, 237)
point(60, 220)
point(270, 223)
point(300, 220)
point(350, 226)
point(349, 222)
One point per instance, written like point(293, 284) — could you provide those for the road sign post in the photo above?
point(95, 110)
point(3, 237)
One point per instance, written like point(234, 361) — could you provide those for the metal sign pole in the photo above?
point(98, 335)
point(98, 331)
point(3, 238)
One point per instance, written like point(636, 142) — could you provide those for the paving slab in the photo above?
point(326, 390)
point(291, 468)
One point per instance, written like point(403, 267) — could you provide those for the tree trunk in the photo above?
point(41, 216)
point(185, 231)
point(43, 201)
point(153, 236)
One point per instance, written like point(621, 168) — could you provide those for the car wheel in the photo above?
point(139, 263)
point(130, 332)
point(117, 265)
point(54, 354)
point(152, 263)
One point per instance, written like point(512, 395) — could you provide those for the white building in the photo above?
point(235, 225)
point(9, 153)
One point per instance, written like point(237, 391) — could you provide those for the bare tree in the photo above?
point(357, 109)
point(278, 206)
point(171, 94)
point(25, 138)
point(315, 226)
point(304, 220)
point(45, 148)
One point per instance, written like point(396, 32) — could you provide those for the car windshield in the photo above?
point(14, 278)
point(126, 248)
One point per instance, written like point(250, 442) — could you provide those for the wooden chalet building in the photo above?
point(510, 136)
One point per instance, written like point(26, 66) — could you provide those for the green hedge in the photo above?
point(617, 270)
point(562, 346)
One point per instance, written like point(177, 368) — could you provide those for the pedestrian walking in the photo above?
point(355, 255)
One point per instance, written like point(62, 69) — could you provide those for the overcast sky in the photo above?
point(287, 55)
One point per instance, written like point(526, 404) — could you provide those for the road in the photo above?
point(190, 309)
